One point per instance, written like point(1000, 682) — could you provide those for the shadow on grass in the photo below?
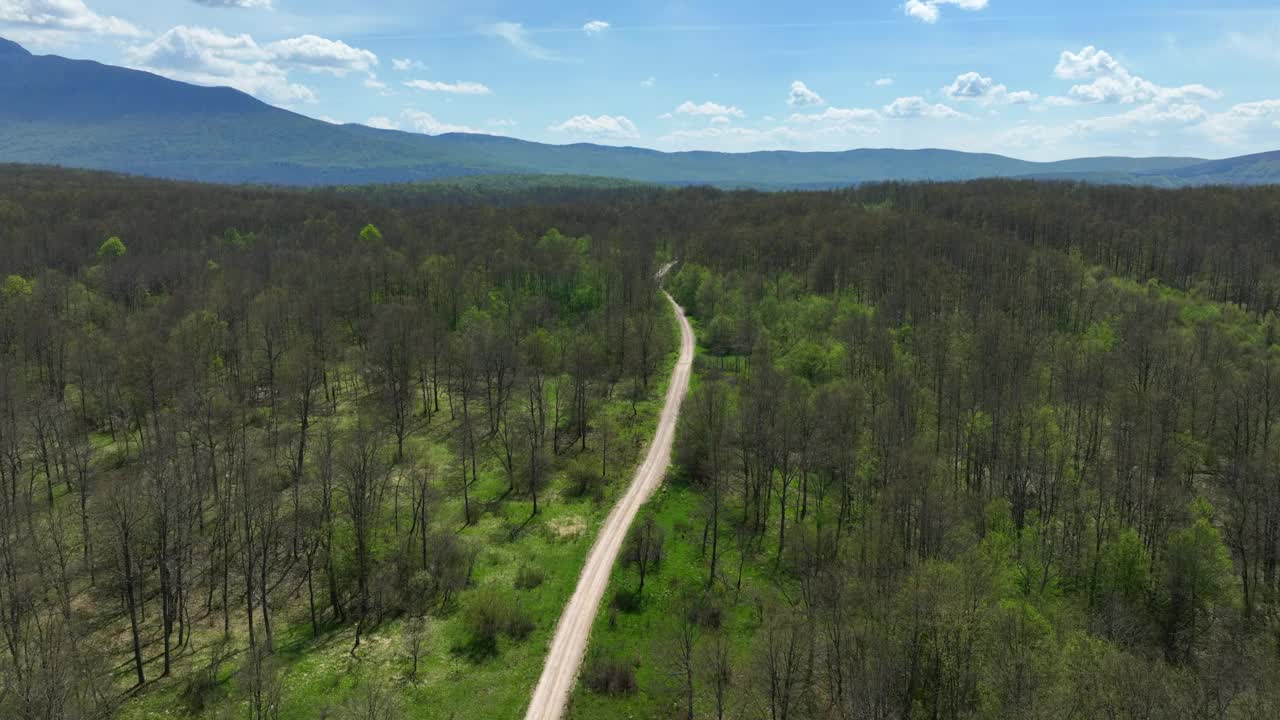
point(628, 601)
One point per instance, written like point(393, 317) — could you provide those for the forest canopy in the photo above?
point(981, 450)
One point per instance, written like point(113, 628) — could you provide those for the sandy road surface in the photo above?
point(574, 629)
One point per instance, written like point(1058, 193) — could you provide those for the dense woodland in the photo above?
point(995, 449)
point(210, 405)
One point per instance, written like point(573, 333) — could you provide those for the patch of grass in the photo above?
point(529, 577)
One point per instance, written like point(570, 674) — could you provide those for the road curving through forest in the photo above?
point(574, 629)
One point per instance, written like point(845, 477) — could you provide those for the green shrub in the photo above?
point(610, 675)
point(529, 577)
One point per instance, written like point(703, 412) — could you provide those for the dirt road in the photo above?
point(574, 629)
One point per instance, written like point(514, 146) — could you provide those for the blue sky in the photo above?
point(1029, 78)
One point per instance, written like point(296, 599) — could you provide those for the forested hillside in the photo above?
point(985, 450)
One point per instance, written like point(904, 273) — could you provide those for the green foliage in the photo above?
point(371, 234)
point(112, 247)
point(238, 240)
point(17, 287)
point(1126, 569)
point(1196, 573)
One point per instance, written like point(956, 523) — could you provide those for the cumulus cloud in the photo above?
point(317, 54)
point(884, 82)
point(845, 116)
point(801, 95)
point(1111, 82)
point(33, 18)
point(427, 124)
point(595, 27)
point(649, 82)
point(1144, 116)
point(930, 10)
point(211, 57)
point(517, 37)
point(1142, 124)
point(974, 86)
point(250, 4)
point(382, 123)
point(455, 88)
point(917, 107)
point(1232, 127)
point(688, 107)
point(602, 127)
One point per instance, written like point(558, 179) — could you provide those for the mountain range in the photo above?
point(79, 113)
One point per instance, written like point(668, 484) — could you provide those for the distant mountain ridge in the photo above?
point(80, 113)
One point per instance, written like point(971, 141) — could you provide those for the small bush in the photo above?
point(585, 479)
point(611, 676)
point(519, 625)
point(627, 601)
point(705, 613)
point(491, 614)
point(529, 577)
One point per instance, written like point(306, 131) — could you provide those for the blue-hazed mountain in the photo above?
point(85, 114)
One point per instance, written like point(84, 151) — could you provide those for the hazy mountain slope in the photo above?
point(84, 114)
point(1262, 168)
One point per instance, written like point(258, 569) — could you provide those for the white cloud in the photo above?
point(930, 10)
point(971, 85)
point(1111, 82)
point(405, 65)
point(210, 57)
point(884, 82)
point(373, 83)
point(843, 116)
point(802, 96)
point(721, 120)
point(456, 88)
point(917, 107)
point(250, 4)
point(688, 107)
point(517, 37)
point(604, 127)
point(1144, 116)
point(1146, 126)
point(429, 125)
point(1232, 127)
point(649, 82)
point(974, 86)
point(502, 123)
point(382, 123)
point(317, 54)
point(61, 17)
point(595, 27)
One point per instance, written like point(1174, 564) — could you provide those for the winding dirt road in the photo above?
point(574, 629)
